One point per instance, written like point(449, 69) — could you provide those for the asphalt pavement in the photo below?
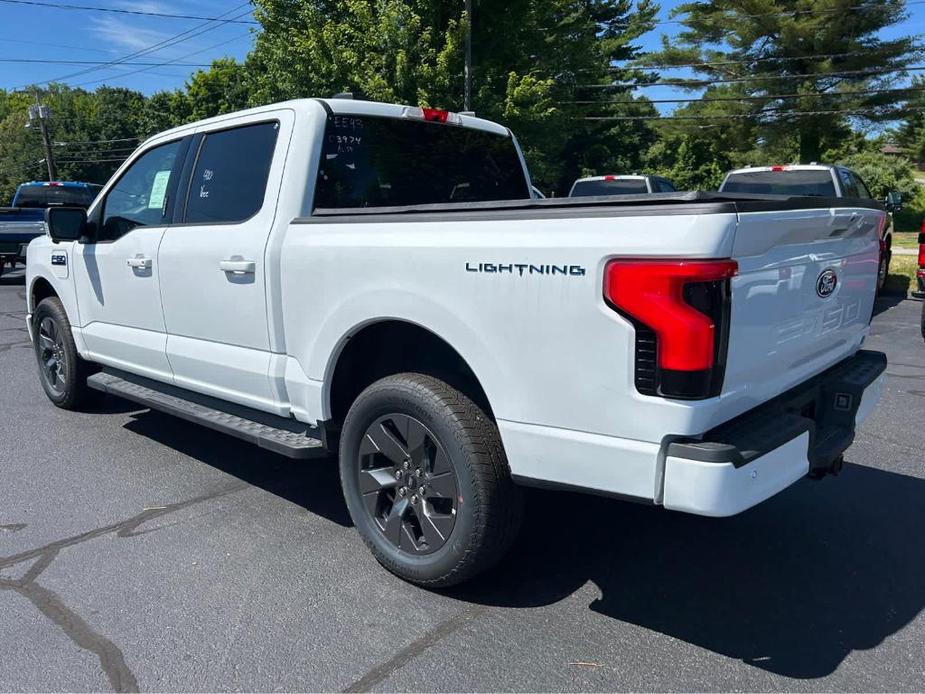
point(140, 552)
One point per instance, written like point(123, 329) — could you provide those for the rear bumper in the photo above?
point(753, 457)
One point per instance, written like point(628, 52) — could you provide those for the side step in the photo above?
point(278, 434)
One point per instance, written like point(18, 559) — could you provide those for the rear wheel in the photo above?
point(426, 480)
point(62, 373)
point(883, 270)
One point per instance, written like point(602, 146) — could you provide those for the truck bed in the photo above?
point(696, 202)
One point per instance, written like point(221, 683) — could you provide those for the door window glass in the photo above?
point(229, 179)
point(140, 196)
point(849, 187)
point(863, 192)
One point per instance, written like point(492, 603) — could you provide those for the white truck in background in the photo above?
point(295, 275)
point(820, 180)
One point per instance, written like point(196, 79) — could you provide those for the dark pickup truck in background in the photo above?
point(25, 219)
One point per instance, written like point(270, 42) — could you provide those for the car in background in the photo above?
point(818, 180)
point(634, 184)
point(25, 219)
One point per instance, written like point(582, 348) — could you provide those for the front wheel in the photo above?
point(426, 480)
point(62, 373)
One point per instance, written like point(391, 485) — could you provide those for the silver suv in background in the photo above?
point(820, 180)
point(620, 185)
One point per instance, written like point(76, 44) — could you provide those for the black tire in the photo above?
point(62, 373)
point(923, 320)
point(452, 431)
point(883, 270)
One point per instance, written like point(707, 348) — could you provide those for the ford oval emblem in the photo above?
point(826, 283)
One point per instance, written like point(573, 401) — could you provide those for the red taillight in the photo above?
point(778, 169)
point(685, 305)
point(435, 115)
point(610, 178)
point(922, 249)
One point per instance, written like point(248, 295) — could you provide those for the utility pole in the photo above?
point(41, 114)
point(467, 89)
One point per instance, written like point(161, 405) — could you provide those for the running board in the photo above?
point(274, 433)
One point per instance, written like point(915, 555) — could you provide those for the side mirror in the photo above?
point(66, 223)
point(894, 201)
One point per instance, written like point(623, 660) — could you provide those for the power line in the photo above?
point(769, 97)
point(792, 13)
point(697, 84)
point(90, 62)
point(170, 41)
point(143, 13)
point(736, 116)
point(164, 64)
point(712, 63)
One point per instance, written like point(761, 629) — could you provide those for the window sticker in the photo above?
point(158, 189)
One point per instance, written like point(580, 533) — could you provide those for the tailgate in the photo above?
point(803, 297)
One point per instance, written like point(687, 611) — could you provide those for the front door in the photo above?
point(212, 262)
point(118, 291)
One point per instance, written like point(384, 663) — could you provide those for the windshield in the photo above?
point(372, 161)
point(626, 186)
point(48, 196)
point(813, 182)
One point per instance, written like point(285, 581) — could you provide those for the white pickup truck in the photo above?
point(296, 276)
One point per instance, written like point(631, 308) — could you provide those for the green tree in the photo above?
point(223, 88)
point(793, 57)
point(533, 60)
point(911, 134)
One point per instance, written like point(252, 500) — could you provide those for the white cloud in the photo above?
point(116, 33)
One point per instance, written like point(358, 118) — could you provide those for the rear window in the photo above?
point(631, 186)
point(48, 196)
point(814, 182)
point(388, 162)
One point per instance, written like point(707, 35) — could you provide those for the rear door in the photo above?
point(212, 263)
point(803, 297)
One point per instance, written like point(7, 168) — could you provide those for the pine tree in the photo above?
point(797, 61)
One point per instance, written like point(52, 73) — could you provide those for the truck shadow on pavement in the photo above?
point(306, 483)
point(791, 586)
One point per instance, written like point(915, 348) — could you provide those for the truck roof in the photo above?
point(783, 167)
point(58, 184)
point(344, 106)
point(615, 177)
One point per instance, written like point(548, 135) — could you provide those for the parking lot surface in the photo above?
point(140, 552)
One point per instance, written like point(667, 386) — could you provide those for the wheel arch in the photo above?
point(382, 347)
point(41, 288)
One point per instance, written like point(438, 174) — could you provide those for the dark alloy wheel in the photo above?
point(52, 355)
point(409, 488)
point(426, 480)
point(62, 373)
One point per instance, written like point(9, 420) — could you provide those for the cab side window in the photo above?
point(229, 180)
point(863, 191)
point(848, 184)
point(139, 197)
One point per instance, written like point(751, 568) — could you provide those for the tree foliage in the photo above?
point(806, 57)
point(531, 62)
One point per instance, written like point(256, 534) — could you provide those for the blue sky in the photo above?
point(30, 32)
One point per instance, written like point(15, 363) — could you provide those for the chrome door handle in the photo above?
point(140, 262)
point(238, 266)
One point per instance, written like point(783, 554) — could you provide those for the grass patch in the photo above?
point(906, 239)
point(902, 274)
